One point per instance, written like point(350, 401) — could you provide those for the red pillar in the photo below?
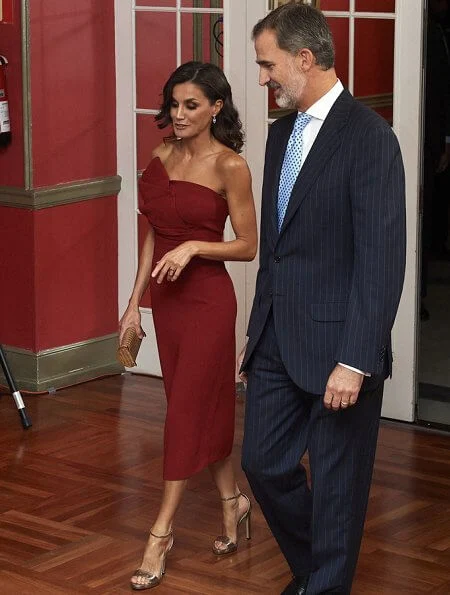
point(58, 187)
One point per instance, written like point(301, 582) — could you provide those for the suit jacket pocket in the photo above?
point(329, 311)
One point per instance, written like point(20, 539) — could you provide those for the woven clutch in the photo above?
point(129, 348)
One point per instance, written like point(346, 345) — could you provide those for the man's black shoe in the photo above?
point(297, 586)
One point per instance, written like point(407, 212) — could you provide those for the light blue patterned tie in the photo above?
point(291, 165)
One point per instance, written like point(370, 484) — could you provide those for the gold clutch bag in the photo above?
point(129, 348)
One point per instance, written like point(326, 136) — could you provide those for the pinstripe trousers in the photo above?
point(318, 528)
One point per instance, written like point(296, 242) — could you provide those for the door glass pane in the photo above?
point(155, 31)
point(374, 64)
point(340, 29)
point(202, 3)
point(161, 3)
point(202, 38)
point(375, 5)
point(334, 4)
point(148, 137)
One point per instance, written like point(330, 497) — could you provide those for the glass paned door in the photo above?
point(379, 58)
point(401, 20)
point(153, 37)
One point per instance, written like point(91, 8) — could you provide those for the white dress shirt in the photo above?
point(318, 112)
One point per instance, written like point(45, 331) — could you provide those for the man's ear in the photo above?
point(305, 59)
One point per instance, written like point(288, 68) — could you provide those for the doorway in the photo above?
point(389, 31)
point(379, 58)
point(153, 37)
point(434, 334)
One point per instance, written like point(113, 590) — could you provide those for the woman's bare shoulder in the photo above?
point(230, 163)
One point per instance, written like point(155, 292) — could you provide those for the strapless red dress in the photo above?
point(194, 322)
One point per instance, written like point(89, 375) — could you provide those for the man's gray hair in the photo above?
point(298, 26)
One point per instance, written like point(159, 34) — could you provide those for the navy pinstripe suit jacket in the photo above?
point(334, 274)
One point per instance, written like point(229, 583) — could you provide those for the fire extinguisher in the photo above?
point(5, 124)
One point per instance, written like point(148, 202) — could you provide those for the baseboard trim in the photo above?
point(62, 366)
point(60, 194)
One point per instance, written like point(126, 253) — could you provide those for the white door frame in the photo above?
point(400, 391)
point(235, 35)
point(148, 360)
point(251, 100)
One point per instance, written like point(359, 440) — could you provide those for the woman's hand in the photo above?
point(172, 263)
point(131, 317)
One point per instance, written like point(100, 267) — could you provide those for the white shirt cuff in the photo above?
point(354, 369)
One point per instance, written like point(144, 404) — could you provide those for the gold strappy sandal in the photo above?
point(231, 546)
point(152, 580)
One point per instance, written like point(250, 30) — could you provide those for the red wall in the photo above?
point(17, 303)
point(11, 160)
point(73, 90)
point(76, 272)
point(59, 265)
point(58, 274)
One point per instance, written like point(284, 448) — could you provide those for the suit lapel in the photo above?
point(327, 142)
point(281, 142)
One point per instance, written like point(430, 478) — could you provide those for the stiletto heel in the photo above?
point(248, 525)
point(152, 580)
point(231, 546)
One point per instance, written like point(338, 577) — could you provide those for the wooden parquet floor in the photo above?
point(79, 490)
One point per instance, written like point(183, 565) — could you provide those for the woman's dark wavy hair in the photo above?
point(213, 83)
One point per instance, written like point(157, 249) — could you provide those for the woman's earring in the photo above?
point(214, 120)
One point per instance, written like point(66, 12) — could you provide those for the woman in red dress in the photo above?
point(195, 180)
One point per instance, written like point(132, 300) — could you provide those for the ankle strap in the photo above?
point(161, 536)
point(231, 497)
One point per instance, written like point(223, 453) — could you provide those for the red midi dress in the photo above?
point(194, 319)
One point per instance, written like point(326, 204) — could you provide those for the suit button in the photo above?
point(270, 293)
point(277, 259)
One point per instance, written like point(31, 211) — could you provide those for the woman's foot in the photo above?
point(152, 569)
point(236, 509)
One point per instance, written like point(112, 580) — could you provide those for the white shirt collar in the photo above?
point(322, 106)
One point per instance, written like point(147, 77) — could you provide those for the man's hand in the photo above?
point(343, 388)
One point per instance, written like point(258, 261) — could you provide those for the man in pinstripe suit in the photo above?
point(332, 260)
